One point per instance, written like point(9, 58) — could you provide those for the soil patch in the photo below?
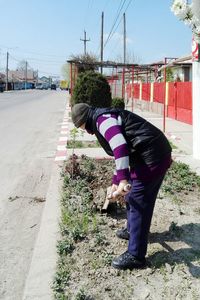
point(89, 243)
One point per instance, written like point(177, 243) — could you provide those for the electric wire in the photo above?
point(117, 15)
point(115, 21)
point(114, 47)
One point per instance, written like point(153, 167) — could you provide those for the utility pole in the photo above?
point(196, 93)
point(124, 18)
point(26, 71)
point(102, 25)
point(85, 41)
point(7, 59)
point(124, 69)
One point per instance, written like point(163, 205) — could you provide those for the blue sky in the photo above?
point(47, 32)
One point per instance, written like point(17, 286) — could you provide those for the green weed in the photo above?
point(65, 247)
point(180, 179)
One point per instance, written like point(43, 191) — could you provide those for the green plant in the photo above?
point(180, 179)
point(99, 239)
point(75, 144)
point(60, 280)
point(81, 295)
point(107, 259)
point(92, 88)
point(65, 247)
point(118, 103)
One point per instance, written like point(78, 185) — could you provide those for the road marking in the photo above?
point(60, 158)
point(61, 153)
point(63, 139)
point(61, 147)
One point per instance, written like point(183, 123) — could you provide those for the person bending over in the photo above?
point(142, 156)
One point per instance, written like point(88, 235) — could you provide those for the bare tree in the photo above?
point(131, 58)
point(22, 65)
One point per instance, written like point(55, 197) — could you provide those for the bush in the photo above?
point(92, 88)
point(118, 103)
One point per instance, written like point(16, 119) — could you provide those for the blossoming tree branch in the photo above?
point(184, 12)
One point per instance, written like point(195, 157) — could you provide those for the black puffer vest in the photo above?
point(146, 143)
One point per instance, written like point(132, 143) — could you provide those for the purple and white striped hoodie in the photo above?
point(109, 125)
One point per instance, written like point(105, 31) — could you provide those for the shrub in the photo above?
point(118, 103)
point(92, 88)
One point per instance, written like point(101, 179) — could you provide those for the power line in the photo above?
point(117, 15)
point(115, 21)
point(36, 59)
point(121, 18)
point(17, 49)
point(119, 24)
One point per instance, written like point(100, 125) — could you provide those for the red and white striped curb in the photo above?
point(61, 153)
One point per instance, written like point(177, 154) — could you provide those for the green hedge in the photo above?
point(118, 103)
point(92, 88)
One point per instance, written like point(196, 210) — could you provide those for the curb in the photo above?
point(43, 264)
point(44, 259)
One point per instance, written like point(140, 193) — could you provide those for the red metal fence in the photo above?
point(146, 91)
point(176, 95)
point(180, 101)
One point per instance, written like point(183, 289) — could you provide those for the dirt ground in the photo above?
point(173, 259)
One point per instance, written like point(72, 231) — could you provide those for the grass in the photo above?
point(78, 220)
point(180, 179)
point(82, 144)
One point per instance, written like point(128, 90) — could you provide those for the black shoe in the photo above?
point(128, 261)
point(123, 234)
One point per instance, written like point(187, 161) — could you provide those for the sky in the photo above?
point(47, 32)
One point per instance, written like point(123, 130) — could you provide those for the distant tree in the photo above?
point(131, 58)
point(85, 62)
point(65, 70)
point(169, 75)
point(22, 66)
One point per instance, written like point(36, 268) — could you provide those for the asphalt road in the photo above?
point(30, 123)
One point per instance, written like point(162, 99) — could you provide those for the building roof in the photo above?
point(20, 75)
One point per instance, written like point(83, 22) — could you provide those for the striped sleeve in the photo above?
point(109, 125)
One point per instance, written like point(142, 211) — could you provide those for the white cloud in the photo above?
point(118, 37)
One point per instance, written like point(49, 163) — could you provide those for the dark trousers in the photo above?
point(140, 203)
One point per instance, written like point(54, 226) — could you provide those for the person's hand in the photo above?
point(122, 189)
point(112, 190)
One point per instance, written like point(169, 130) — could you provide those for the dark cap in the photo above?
point(80, 114)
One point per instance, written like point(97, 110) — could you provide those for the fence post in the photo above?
point(151, 92)
point(140, 96)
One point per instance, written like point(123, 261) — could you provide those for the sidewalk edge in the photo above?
point(43, 264)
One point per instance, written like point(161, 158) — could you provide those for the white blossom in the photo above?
point(184, 12)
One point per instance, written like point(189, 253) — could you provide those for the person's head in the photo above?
point(80, 114)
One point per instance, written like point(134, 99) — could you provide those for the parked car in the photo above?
point(42, 86)
point(53, 86)
point(1, 88)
